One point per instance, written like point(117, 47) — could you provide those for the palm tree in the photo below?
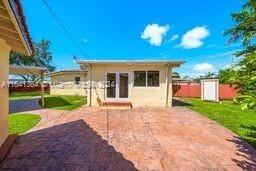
point(209, 75)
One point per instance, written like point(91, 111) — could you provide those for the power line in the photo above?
point(63, 27)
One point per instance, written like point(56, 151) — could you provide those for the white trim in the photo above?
point(175, 62)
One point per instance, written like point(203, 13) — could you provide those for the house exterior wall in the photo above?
point(61, 84)
point(139, 96)
point(67, 77)
point(4, 92)
point(73, 92)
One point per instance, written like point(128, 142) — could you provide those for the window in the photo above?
point(146, 78)
point(139, 78)
point(153, 78)
point(77, 80)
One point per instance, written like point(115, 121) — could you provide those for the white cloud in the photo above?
point(154, 33)
point(85, 40)
point(203, 67)
point(174, 37)
point(193, 38)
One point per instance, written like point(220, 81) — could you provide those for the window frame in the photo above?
point(134, 78)
point(158, 79)
point(146, 86)
point(76, 81)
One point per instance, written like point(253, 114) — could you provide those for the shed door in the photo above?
point(209, 89)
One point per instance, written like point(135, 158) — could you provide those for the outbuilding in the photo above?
point(68, 82)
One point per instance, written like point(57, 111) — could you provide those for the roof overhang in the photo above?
point(172, 63)
point(66, 72)
point(26, 70)
point(13, 28)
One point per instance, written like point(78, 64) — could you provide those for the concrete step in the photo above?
point(117, 105)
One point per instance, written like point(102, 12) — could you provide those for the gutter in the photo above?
point(130, 61)
point(167, 84)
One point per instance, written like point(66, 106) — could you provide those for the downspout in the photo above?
point(90, 85)
point(167, 84)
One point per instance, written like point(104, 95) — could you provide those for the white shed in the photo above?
point(210, 90)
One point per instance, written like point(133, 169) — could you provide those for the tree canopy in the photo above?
point(225, 75)
point(42, 57)
point(175, 75)
point(245, 30)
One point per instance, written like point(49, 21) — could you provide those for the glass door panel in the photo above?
point(111, 89)
point(123, 85)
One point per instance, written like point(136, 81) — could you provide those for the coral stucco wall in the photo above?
point(226, 91)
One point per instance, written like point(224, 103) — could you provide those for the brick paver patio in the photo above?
point(142, 138)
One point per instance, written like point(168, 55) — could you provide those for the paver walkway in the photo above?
point(142, 138)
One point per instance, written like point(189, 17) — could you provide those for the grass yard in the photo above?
point(24, 95)
point(64, 102)
point(242, 122)
point(21, 123)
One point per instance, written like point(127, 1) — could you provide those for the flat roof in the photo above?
point(116, 62)
point(65, 71)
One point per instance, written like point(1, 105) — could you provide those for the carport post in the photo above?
point(42, 88)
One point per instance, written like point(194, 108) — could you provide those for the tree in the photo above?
point(245, 77)
point(225, 75)
point(186, 77)
point(42, 57)
point(209, 75)
point(175, 75)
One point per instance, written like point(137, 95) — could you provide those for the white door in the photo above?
point(118, 86)
point(209, 89)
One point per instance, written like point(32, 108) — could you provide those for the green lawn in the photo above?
point(64, 102)
point(242, 122)
point(24, 95)
point(21, 123)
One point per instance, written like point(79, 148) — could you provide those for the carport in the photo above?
point(14, 35)
point(30, 70)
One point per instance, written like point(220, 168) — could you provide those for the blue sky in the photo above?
point(114, 29)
